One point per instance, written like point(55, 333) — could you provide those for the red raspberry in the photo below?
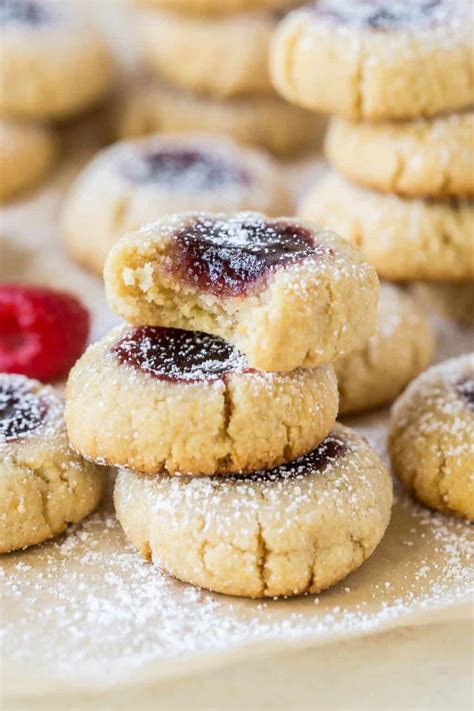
point(42, 331)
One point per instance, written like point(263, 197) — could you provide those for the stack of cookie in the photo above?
point(400, 77)
point(223, 375)
point(209, 63)
point(53, 66)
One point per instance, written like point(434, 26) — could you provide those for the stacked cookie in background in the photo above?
point(54, 65)
point(400, 78)
point(401, 148)
point(223, 375)
point(208, 63)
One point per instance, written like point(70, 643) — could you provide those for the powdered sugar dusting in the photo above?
point(25, 406)
point(27, 12)
point(177, 355)
point(384, 15)
point(185, 168)
point(106, 613)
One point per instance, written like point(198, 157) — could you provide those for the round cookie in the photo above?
point(299, 528)
point(405, 239)
point(224, 56)
point(427, 157)
point(154, 398)
point(27, 152)
point(54, 63)
point(376, 59)
point(455, 301)
point(401, 348)
point(265, 121)
point(284, 294)
point(130, 184)
point(44, 486)
point(218, 7)
point(431, 437)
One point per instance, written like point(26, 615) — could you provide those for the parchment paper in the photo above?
point(86, 611)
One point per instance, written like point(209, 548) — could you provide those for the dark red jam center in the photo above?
point(465, 389)
point(176, 355)
point(333, 447)
point(29, 12)
point(21, 411)
point(384, 15)
point(227, 257)
point(185, 169)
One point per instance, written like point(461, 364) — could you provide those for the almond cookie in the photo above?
point(431, 438)
point(376, 59)
point(284, 294)
point(405, 239)
point(224, 56)
point(299, 528)
point(219, 7)
point(153, 398)
point(44, 486)
point(265, 121)
point(427, 157)
point(54, 63)
point(27, 152)
point(130, 184)
point(400, 350)
point(455, 301)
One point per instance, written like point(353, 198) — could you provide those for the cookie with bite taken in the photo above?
point(282, 292)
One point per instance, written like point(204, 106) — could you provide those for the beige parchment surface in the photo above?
point(86, 613)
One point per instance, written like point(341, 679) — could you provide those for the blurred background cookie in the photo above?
point(401, 349)
point(27, 153)
point(224, 56)
point(130, 184)
point(454, 301)
point(54, 62)
point(149, 106)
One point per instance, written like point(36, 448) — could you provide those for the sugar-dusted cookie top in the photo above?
point(286, 294)
point(431, 438)
point(376, 59)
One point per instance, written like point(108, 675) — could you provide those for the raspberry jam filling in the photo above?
point(227, 257)
point(383, 15)
point(178, 356)
point(185, 169)
point(330, 449)
point(465, 388)
point(21, 411)
point(29, 12)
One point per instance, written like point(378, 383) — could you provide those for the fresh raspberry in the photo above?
point(42, 331)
